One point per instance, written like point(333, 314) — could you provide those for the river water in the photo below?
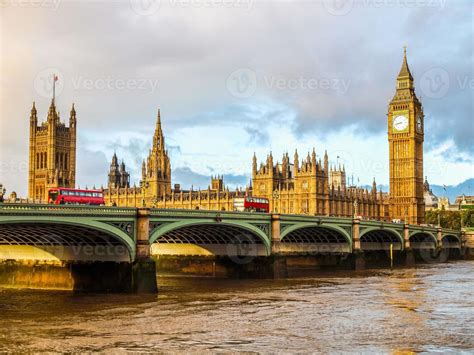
point(424, 309)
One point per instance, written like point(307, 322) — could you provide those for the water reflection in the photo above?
point(401, 311)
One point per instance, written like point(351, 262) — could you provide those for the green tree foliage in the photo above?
point(451, 219)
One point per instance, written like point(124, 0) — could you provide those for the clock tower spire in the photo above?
point(405, 138)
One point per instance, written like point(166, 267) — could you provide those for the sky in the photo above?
point(234, 77)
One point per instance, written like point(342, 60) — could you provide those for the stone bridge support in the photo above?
point(358, 253)
point(468, 244)
point(439, 237)
point(408, 251)
point(144, 267)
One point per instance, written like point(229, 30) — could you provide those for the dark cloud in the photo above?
point(185, 55)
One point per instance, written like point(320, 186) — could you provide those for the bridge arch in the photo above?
point(323, 238)
point(423, 240)
point(208, 237)
point(451, 241)
point(376, 238)
point(69, 239)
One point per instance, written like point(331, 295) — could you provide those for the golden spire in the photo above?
point(405, 70)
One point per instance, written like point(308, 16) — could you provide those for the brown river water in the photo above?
point(424, 309)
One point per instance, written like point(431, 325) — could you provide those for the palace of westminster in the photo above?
point(297, 186)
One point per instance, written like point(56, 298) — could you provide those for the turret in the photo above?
point(254, 165)
point(33, 116)
point(326, 162)
point(270, 163)
point(52, 114)
point(72, 117)
point(296, 163)
point(143, 170)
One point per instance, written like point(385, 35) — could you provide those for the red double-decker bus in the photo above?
point(63, 196)
point(251, 204)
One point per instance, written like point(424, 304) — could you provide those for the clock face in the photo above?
point(419, 125)
point(400, 123)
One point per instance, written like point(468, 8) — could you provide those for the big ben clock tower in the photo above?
point(405, 138)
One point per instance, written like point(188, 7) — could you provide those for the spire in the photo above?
point(326, 161)
point(158, 139)
point(33, 116)
point(114, 160)
point(72, 116)
point(405, 70)
point(254, 164)
point(143, 169)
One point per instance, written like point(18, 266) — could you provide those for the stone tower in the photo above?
point(52, 153)
point(156, 173)
point(405, 138)
point(118, 175)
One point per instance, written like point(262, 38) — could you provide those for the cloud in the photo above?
point(315, 72)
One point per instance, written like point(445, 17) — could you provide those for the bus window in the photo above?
point(53, 195)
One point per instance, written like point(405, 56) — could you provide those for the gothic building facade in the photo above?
point(155, 189)
point(312, 187)
point(52, 153)
point(118, 175)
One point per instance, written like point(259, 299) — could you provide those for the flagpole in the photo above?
point(54, 87)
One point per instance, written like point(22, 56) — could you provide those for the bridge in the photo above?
point(116, 244)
